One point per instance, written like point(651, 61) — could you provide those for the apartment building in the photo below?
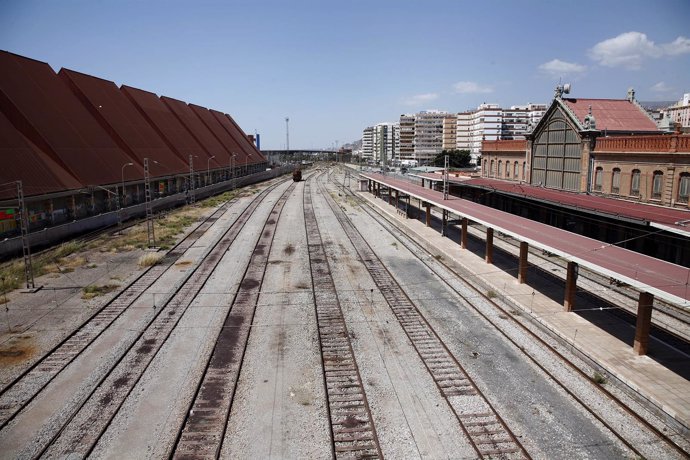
point(680, 112)
point(381, 143)
point(368, 144)
point(407, 137)
point(450, 127)
point(386, 143)
point(421, 135)
point(519, 119)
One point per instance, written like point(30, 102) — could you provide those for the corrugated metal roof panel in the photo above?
point(252, 154)
point(229, 143)
point(199, 131)
point(165, 123)
point(600, 204)
point(49, 114)
point(124, 122)
point(22, 160)
point(259, 157)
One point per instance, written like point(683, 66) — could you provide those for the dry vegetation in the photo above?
point(69, 256)
point(89, 292)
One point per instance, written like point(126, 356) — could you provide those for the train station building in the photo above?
point(89, 152)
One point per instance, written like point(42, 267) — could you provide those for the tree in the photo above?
point(456, 158)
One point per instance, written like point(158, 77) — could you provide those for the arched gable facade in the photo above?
point(556, 153)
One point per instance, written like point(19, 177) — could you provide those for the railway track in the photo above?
point(641, 436)
point(21, 390)
point(485, 429)
point(203, 430)
point(79, 427)
point(352, 427)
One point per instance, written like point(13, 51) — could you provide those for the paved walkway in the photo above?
point(659, 384)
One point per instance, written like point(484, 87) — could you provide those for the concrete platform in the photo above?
point(666, 389)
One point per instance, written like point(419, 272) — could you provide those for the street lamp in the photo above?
point(232, 168)
point(124, 195)
point(246, 160)
point(208, 169)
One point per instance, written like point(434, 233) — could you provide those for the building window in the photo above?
point(491, 174)
point(484, 170)
point(500, 165)
point(598, 178)
point(657, 185)
point(515, 170)
point(683, 187)
point(524, 170)
point(616, 181)
point(507, 169)
point(635, 183)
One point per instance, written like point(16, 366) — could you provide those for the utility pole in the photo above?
point(192, 197)
point(287, 136)
point(149, 209)
point(26, 245)
point(445, 177)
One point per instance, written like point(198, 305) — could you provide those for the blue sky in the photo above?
point(336, 67)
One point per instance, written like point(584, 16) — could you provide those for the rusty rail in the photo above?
point(81, 431)
point(204, 428)
point(352, 426)
point(486, 430)
point(27, 385)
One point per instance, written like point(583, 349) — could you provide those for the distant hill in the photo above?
point(355, 145)
point(656, 105)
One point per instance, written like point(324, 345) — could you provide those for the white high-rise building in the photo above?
point(490, 122)
point(680, 112)
point(518, 118)
point(386, 143)
point(381, 143)
point(368, 144)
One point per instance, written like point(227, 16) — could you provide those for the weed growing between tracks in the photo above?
point(89, 292)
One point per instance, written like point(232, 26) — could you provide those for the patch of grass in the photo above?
point(149, 259)
point(289, 249)
point(66, 249)
point(89, 292)
point(395, 244)
point(438, 257)
point(599, 379)
point(491, 294)
point(217, 200)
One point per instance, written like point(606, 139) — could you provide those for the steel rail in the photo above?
point(353, 432)
point(23, 388)
point(85, 424)
point(486, 430)
point(201, 435)
point(416, 247)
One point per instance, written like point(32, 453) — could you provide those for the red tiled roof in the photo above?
point(612, 114)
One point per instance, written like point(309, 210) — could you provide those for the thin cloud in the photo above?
point(630, 49)
point(420, 98)
point(470, 87)
point(661, 87)
point(558, 68)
